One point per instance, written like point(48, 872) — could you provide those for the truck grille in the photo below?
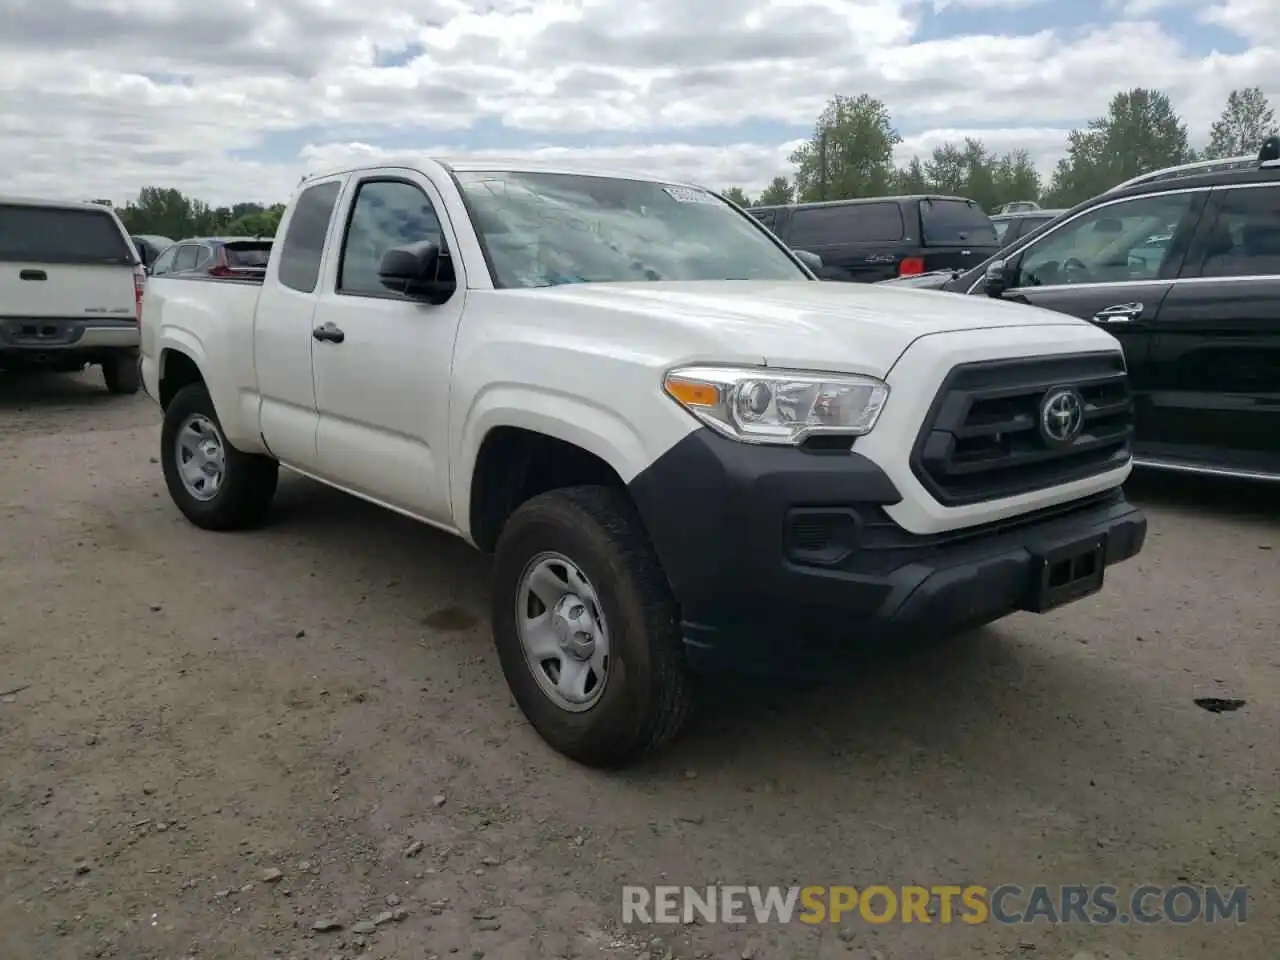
point(987, 435)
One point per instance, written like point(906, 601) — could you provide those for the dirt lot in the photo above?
point(320, 699)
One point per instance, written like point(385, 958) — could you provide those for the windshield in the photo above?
point(254, 253)
point(543, 229)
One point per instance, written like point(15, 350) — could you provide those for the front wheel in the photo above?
point(586, 628)
point(216, 486)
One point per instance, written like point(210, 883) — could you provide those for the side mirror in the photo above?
point(994, 282)
point(810, 260)
point(418, 270)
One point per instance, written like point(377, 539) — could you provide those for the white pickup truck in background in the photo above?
point(70, 290)
point(678, 444)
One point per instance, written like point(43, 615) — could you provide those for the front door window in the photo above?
point(1115, 243)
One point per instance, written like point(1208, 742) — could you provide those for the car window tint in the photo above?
point(955, 222)
point(848, 223)
point(187, 255)
point(387, 214)
point(766, 217)
point(248, 253)
point(1245, 238)
point(1002, 228)
point(164, 262)
point(35, 234)
point(304, 240)
point(1113, 243)
point(204, 256)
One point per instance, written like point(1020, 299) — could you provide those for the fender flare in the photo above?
point(596, 429)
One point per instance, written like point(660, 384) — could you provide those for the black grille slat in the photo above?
point(961, 467)
point(982, 439)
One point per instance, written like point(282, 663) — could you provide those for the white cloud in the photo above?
point(99, 97)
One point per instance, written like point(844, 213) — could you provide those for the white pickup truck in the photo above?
point(678, 444)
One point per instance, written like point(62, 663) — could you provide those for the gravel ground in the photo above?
point(221, 741)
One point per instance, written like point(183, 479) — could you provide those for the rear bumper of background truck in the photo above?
point(39, 340)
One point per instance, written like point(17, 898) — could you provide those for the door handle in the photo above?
point(32, 275)
point(328, 333)
point(1120, 313)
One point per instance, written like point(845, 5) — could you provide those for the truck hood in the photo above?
point(845, 327)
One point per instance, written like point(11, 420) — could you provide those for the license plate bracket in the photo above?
point(1065, 572)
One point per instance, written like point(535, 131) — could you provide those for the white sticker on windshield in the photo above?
point(689, 195)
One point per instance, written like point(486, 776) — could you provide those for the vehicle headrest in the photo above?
point(1220, 241)
point(1108, 225)
point(1261, 239)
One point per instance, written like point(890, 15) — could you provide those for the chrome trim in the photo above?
point(1103, 284)
point(1018, 251)
point(1173, 466)
point(1197, 166)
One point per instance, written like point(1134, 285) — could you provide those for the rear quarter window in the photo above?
point(32, 234)
point(954, 222)
point(304, 240)
point(852, 223)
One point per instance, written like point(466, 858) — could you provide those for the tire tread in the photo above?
point(636, 567)
point(250, 484)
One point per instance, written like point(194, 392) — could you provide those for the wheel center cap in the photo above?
point(575, 627)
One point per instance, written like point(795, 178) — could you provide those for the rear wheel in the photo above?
point(586, 628)
point(216, 486)
point(122, 373)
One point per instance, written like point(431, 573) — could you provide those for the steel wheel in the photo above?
point(201, 457)
point(563, 632)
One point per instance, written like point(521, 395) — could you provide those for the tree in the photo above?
point(735, 195)
point(170, 213)
point(1016, 178)
point(255, 223)
point(1246, 121)
point(972, 171)
point(944, 171)
point(911, 179)
point(1140, 133)
point(778, 192)
point(850, 153)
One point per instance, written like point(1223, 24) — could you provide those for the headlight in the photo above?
point(777, 406)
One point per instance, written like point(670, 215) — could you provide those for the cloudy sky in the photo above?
point(235, 99)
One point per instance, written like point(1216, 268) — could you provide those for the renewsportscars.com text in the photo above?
point(940, 904)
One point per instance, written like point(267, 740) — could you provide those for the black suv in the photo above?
point(1183, 267)
point(884, 237)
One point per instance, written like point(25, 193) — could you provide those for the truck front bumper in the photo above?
point(779, 557)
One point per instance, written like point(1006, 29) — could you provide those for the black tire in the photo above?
point(122, 373)
point(249, 481)
point(648, 692)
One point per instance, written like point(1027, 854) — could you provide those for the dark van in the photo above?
point(884, 237)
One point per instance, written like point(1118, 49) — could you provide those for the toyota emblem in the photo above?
point(1061, 416)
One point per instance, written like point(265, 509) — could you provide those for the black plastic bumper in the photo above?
point(770, 549)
